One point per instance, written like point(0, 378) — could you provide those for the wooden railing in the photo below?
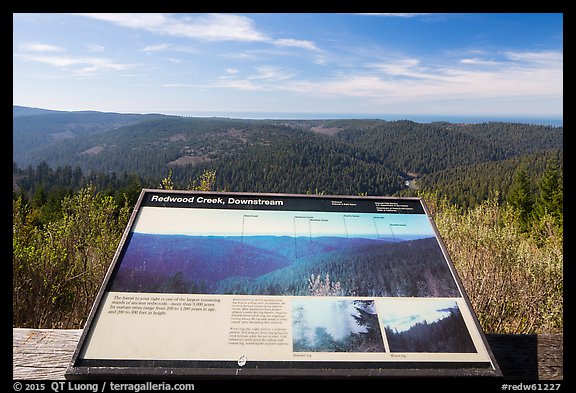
point(45, 354)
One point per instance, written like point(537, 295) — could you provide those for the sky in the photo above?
point(414, 64)
point(229, 222)
point(402, 314)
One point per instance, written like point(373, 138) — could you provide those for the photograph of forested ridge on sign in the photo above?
point(329, 325)
point(201, 251)
point(427, 325)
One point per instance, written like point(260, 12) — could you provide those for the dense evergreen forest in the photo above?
point(373, 157)
point(471, 184)
point(266, 265)
point(35, 128)
point(448, 334)
point(45, 188)
point(494, 189)
point(373, 270)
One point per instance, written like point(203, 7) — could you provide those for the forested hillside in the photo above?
point(424, 148)
point(471, 184)
point(494, 189)
point(37, 129)
point(373, 157)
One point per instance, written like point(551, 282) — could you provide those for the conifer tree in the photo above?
point(521, 198)
point(550, 197)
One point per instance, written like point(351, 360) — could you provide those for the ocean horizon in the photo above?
point(472, 119)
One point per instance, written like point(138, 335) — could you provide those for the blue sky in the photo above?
point(414, 64)
point(225, 222)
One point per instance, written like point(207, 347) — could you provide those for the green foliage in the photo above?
point(514, 279)
point(67, 221)
point(59, 267)
point(167, 183)
point(295, 161)
point(539, 208)
point(206, 182)
point(38, 130)
point(520, 198)
point(426, 148)
point(361, 157)
point(550, 197)
point(471, 184)
point(46, 185)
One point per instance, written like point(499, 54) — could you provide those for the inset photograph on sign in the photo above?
point(335, 325)
point(293, 285)
point(427, 325)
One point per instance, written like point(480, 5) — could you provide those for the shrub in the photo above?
point(59, 267)
point(514, 280)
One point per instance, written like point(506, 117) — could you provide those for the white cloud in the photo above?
point(210, 27)
point(138, 21)
point(399, 67)
point(320, 60)
point(230, 74)
point(95, 48)
point(275, 73)
point(524, 76)
point(239, 84)
point(401, 15)
point(549, 58)
point(478, 61)
point(38, 47)
point(179, 85)
point(401, 315)
point(85, 65)
point(156, 47)
point(304, 44)
point(217, 27)
point(266, 78)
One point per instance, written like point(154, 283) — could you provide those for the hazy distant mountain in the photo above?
point(26, 111)
point(34, 129)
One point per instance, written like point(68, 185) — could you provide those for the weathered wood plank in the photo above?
point(550, 356)
point(42, 353)
point(528, 356)
point(45, 354)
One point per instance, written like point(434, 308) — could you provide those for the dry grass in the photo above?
point(59, 268)
point(514, 281)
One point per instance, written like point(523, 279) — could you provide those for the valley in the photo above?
point(372, 157)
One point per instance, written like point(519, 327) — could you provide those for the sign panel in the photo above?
point(212, 283)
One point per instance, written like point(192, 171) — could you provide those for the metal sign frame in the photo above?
point(227, 284)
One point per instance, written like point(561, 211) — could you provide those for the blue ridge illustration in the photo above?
point(284, 265)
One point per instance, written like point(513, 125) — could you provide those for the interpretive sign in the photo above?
point(221, 283)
